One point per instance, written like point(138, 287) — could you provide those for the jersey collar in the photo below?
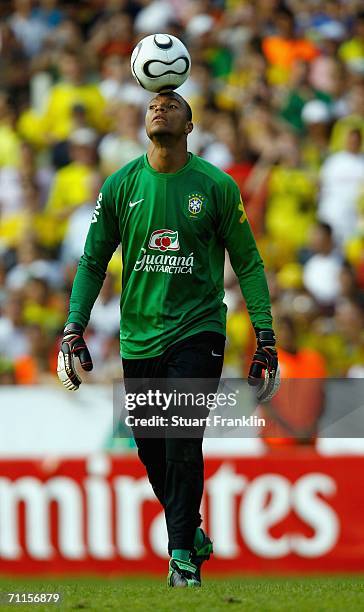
point(168, 175)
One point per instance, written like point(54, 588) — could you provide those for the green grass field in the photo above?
point(234, 594)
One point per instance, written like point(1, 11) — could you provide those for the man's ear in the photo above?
point(189, 127)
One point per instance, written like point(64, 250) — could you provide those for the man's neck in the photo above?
point(167, 159)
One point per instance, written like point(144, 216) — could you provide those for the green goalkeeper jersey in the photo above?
point(173, 229)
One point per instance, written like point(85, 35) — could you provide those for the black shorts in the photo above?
point(190, 367)
point(198, 356)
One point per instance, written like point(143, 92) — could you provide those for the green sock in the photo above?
point(198, 537)
point(181, 554)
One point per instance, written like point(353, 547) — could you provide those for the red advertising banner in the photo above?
point(285, 512)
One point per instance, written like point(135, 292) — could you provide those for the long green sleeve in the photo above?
point(102, 240)
point(244, 256)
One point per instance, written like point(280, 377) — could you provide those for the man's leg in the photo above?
point(175, 467)
point(183, 491)
point(152, 453)
point(139, 375)
point(197, 357)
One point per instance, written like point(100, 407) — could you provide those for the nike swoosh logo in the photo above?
point(131, 204)
point(215, 354)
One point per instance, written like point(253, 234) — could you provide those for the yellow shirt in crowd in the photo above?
point(341, 130)
point(290, 209)
point(72, 187)
point(9, 145)
point(56, 124)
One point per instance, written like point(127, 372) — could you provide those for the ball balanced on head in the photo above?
point(160, 62)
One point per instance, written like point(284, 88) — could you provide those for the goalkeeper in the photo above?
point(174, 215)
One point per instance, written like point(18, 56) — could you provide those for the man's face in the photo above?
point(84, 154)
point(354, 142)
point(166, 117)
point(70, 67)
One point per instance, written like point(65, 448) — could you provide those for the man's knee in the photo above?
point(184, 450)
point(151, 451)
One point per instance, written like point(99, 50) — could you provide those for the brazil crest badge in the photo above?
point(195, 205)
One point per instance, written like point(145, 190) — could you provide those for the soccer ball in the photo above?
point(160, 62)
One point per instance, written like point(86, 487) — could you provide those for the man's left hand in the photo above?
point(265, 360)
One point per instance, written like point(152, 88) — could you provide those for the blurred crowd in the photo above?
point(277, 92)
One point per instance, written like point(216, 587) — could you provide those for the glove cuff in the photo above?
point(265, 337)
point(73, 328)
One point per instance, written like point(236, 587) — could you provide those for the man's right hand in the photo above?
point(73, 344)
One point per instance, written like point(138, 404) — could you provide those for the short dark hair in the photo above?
point(173, 94)
point(325, 227)
point(284, 11)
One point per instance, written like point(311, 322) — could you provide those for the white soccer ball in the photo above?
point(160, 62)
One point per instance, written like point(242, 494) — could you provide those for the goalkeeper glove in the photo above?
point(265, 359)
point(72, 344)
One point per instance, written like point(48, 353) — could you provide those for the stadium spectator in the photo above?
point(75, 236)
point(16, 226)
point(7, 373)
point(303, 370)
point(105, 317)
point(30, 262)
point(73, 91)
point(48, 13)
point(73, 184)
point(13, 339)
point(40, 306)
point(124, 144)
point(290, 189)
point(15, 177)
point(284, 48)
point(353, 116)
point(113, 72)
point(221, 150)
point(154, 16)
point(322, 271)
point(342, 179)
point(316, 117)
point(14, 65)
point(343, 348)
point(36, 365)
point(29, 29)
point(326, 74)
point(113, 36)
point(9, 139)
point(349, 287)
point(352, 51)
